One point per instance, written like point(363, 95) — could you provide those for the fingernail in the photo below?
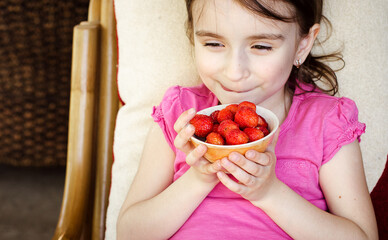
point(218, 165)
point(250, 154)
point(190, 128)
point(191, 111)
point(233, 157)
point(201, 148)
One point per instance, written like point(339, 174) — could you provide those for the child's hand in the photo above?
point(194, 156)
point(255, 172)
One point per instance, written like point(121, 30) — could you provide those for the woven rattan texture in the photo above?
point(35, 65)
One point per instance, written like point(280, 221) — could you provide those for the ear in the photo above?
point(306, 44)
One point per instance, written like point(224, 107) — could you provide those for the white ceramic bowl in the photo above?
point(215, 152)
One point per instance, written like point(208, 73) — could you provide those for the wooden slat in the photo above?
point(81, 127)
point(107, 111)
point(94, 11)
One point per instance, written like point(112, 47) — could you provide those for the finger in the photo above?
point(262, 159)
point(230, 183)
point(194, 156)
point(212, 167)
point(183, 119)
point(240, 174)
point(246, 164)
point(181, 141)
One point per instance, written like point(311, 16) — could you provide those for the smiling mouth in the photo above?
point(230, 90)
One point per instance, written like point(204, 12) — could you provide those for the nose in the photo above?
point(237, 66)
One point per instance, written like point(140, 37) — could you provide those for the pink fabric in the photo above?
point(315, 129)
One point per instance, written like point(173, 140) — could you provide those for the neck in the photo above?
point(281, 104)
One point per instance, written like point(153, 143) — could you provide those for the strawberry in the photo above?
point(225, 114)
point(247, 104)
point(215, 127)
point(264, 130)
point(203, 125)
point(215, 138)
point(262, 122)
point(233, 125)
point(214, 115)
point(246, 117)
point(254, 134)
point(226, 126)
point(236, 137)
point(233, 108)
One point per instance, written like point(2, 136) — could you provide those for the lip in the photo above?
point(230, 90)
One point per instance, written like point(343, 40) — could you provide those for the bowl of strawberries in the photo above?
point(233, 128)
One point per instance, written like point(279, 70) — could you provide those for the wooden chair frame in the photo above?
point(93, 107)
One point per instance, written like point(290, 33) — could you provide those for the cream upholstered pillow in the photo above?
point(362, 28)
point(154, 53)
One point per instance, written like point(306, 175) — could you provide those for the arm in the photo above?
point(350, 199)
point(154, 198)
point(343, 183)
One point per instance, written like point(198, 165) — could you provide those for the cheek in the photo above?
point(207, 64)
point(277, 67)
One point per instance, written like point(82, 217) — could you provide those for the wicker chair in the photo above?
point(35, 54)
point(93, 107)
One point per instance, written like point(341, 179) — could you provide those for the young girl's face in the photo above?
point(241, 56)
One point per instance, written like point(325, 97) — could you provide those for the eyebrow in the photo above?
point(268, 36)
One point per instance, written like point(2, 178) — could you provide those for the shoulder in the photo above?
point(334, 118)
point(333, 114)
point(176, 100)
point(188, 97)
point(326, 106)
point(312, 99)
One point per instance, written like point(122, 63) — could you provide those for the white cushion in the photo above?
point(154, 53)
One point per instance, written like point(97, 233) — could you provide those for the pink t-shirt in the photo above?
point(316, 127)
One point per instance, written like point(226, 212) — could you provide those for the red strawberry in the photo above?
point(215, 127)
point(215, 138)
point(226, 126)
point(224, 114)
point(254, 134)
point(246, 117)
point(214, 115)
point(247, 104)
point(236, 137)
point(203, 124)
point(264, 130)
point(262, 122)
point(233, 108)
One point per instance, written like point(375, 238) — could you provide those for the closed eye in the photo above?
point(262, 47)
point(213, 44)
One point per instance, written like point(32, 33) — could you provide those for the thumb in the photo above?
point(271, 146)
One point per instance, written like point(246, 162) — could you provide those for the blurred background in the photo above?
point(35, 62)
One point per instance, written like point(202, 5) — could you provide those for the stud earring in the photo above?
point(298, 63)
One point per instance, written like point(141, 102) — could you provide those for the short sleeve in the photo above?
point(167, 112)
point(175, 101)
point(341, 127)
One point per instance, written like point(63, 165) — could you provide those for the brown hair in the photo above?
point(306, 14)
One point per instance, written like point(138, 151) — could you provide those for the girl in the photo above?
point(312, 187)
